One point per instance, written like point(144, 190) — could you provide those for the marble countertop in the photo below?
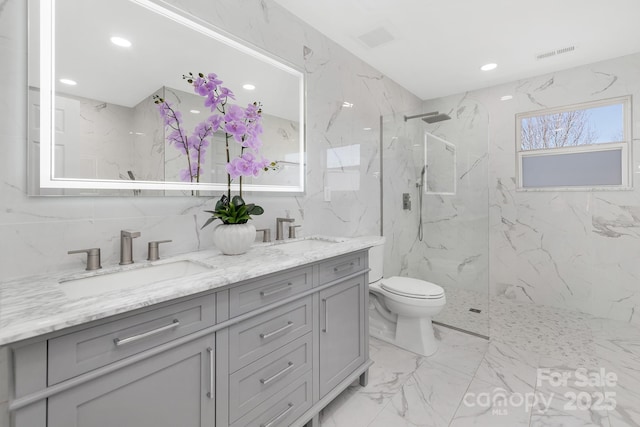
point(33, 306)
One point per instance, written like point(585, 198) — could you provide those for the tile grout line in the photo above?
point(468, 386)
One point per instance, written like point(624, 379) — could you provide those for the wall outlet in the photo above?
point(406, 201)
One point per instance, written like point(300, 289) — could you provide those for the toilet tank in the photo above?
point(376, 261)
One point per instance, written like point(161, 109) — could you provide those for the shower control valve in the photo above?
point(406, 201)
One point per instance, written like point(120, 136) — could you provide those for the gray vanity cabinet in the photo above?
point(173, 388)
point(270, 351)
point(342, 331)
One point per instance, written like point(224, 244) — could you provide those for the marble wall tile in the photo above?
point(37, 232)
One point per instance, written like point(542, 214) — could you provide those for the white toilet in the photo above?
point(401, 308)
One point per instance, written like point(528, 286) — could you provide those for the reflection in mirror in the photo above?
point(94, 127)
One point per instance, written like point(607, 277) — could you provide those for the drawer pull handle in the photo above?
point(272, 422)
point(265, 294)
point(277, 331)
point(278, 375)
point(212, 367)
point(118, 342)
point(343, 267)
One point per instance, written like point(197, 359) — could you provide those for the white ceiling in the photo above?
point(439, 46)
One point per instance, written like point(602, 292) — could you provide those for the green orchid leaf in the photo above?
point(209, 221)
point(241, 211)
point(256, 210)
point(237, 201)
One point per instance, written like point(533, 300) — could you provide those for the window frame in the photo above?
point(624, 146)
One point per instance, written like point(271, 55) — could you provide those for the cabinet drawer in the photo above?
point(88, 349)
point(251, 296)
point(342, 266)
point(281, 409)
point(260, 335)
point(267, 376)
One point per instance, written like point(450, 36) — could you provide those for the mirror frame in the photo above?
point(47, 107)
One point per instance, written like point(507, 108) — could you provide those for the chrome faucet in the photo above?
point(126, 246)
point(93, 257)
point(279, 226)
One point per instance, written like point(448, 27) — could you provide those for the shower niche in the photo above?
point(440, 166)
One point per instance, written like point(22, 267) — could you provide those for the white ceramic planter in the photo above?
point(234, 239)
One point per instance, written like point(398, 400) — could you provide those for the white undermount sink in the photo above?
point(95, 285)
point(301, 246)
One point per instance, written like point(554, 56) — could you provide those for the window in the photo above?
point(580, 146)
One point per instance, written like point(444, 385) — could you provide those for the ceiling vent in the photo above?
point(376, 37)
point(556, 52)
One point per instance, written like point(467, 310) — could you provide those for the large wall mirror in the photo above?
point(94, 126)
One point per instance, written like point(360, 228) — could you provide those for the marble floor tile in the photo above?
point(470, 381)
point(485, 405)
point(359, 406)
point(567, 420)
point(351, 408)
point(624, 417)
point(429, 398)
point(456, 312)
point(457, 350)
point(506, 366)
point(571, 398)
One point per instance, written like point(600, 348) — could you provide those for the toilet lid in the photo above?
point(412, 288)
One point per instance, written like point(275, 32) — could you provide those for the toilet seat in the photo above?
point(409, 287)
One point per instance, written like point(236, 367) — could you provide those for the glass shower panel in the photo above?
point(454, 209)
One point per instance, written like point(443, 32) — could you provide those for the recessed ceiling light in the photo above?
point(119, 41)
point(506, 97)
point(194, 111)
point(68, 82)
point(248, 86)
point(489, 67)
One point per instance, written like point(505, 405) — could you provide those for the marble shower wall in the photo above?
point(454, 249)
point(36, 233)
point(576, 250)
point(569, 249)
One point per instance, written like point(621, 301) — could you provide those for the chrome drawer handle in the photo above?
point(212, 367)
point(343, 267)
point(274, 420)
point(118, 342)
point(279, 374)
point(286, 287)
point(277, 331)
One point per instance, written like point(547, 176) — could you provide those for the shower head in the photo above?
point(431, 117)
point(436, 118)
